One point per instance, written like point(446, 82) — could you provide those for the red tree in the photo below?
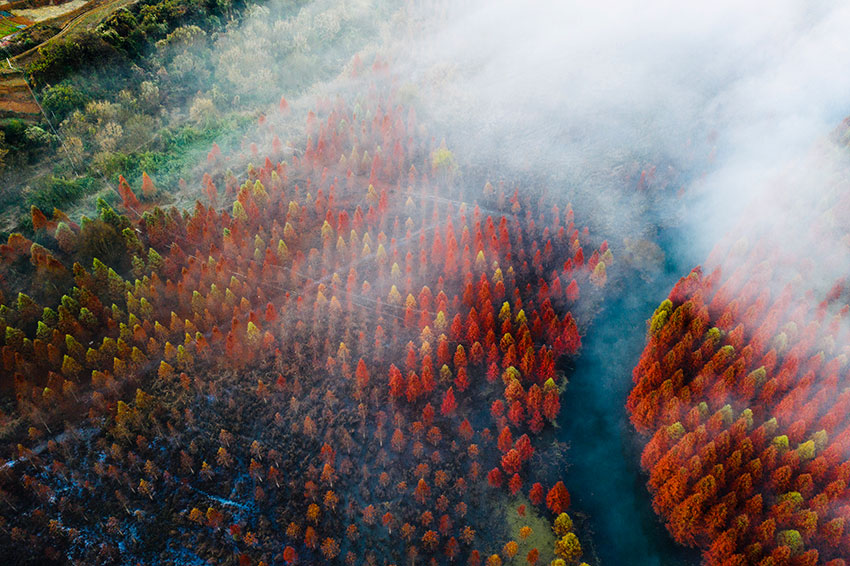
point(558, 498)
point(449, 405)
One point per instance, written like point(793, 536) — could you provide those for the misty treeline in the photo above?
point(156, 81)
point(742, 387)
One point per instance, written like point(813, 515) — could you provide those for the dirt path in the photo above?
point(96, 11)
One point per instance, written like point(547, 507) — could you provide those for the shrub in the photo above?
point(62, 99)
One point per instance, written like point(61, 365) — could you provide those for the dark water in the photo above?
point(604, 475)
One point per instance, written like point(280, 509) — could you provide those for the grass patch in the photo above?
point(542, 538)
point(56, 192)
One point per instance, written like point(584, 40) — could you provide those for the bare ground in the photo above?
point(47, 12)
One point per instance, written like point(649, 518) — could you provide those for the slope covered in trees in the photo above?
point(742, 389)
point(345, 355)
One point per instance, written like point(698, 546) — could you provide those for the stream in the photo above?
point(604, 475)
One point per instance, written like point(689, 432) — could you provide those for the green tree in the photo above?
point(62, 99)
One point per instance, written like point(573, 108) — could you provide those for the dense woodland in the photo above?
point(342, 356)
point(244, 329)
point(743, 390)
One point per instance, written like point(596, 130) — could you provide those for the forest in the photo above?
point(397, 283)
point(217, 311)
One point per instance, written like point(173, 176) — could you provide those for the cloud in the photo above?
point(576, 90)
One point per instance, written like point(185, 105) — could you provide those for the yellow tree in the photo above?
point(330, 548)
point(568, 547)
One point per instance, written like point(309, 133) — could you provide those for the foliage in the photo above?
point(58, 58)
point(62, 99)
point(157, 54)
point(57, 192)
point(233, 378)
point(3, 150)
point(30, 37)
point(742, 392)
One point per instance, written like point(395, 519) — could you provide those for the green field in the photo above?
point(7, 27)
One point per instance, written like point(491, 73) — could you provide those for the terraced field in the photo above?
point(15, 98)
point(7, 27)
